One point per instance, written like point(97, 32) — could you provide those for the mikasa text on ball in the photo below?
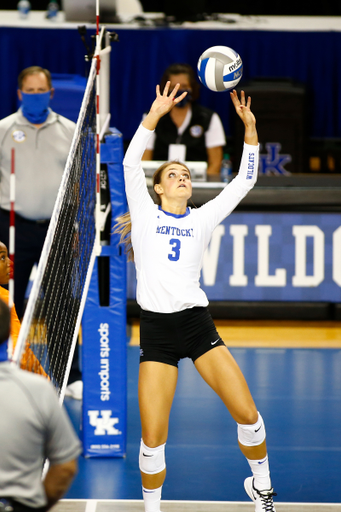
point(220, 68)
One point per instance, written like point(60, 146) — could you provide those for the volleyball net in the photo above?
point(51, 323)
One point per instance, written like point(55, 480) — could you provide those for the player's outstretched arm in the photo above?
point(243, 109)
point(162, 104)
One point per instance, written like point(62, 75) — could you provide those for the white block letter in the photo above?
point(301, 233)
point(239, 232)
point(263, 278)
point(337, 256)
point(211, 256)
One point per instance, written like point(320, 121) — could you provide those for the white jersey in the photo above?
point(168, 248)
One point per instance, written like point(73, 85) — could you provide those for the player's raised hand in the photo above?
point(243, 109)
point(163, 103)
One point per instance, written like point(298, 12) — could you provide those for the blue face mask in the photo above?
point(187, 99)
point(3, 352)
point(35, 107)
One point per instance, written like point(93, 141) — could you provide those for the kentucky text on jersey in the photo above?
point(174, 231)
point(251, 166)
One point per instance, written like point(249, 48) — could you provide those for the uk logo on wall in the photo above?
point(273, 162)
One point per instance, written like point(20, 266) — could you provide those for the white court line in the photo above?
point(92, 504)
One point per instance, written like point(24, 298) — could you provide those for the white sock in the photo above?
point(152, 499)
point(261, 473)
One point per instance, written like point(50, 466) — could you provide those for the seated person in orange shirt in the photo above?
point(28, 360)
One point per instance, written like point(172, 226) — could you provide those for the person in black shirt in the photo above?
point(190, 132)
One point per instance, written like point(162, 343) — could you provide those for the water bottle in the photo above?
point(24, 8)
point(52, 10)
point(226, 169)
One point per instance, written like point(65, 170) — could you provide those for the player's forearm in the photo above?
point(248, 170)
point(151, 120)
point(57, 481)
point(251, 135)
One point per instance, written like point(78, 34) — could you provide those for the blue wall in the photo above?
point(140, 57)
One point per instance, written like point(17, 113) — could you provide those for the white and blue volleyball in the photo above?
point(220, 68)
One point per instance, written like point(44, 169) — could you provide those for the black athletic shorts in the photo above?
point(169, 337)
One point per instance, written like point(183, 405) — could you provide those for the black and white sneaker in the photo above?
point(262, 499)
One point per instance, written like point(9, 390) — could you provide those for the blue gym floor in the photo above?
point(297, 391)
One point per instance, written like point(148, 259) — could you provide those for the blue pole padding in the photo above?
point(104, 425)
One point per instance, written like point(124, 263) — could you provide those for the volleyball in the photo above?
point(220, 68)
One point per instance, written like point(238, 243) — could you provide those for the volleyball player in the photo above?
point(167, 242)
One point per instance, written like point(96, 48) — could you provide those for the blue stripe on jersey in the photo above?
point(188, 211)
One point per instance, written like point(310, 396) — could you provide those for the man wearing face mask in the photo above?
point(41, 140)
point(190, 132)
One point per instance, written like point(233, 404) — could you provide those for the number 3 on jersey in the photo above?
point(175, 254)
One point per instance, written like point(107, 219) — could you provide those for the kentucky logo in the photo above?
point(104, 424)
point(273, 162)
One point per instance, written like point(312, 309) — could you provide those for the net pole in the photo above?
point(104, 119)
point(98, 248)
point(105, 85)
point(11, 248)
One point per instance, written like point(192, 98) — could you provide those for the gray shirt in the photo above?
point(33, 426)
point(40, 157)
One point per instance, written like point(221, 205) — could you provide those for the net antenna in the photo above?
point(51, 322)
point(11, 248)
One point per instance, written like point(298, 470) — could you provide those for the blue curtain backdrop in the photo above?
point(139, 59)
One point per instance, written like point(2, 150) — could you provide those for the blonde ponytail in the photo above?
point(123, 228)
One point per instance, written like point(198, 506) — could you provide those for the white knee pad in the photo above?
point(152, 460)
point(252, 435)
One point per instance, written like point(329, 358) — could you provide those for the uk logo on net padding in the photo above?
point(104, 423)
